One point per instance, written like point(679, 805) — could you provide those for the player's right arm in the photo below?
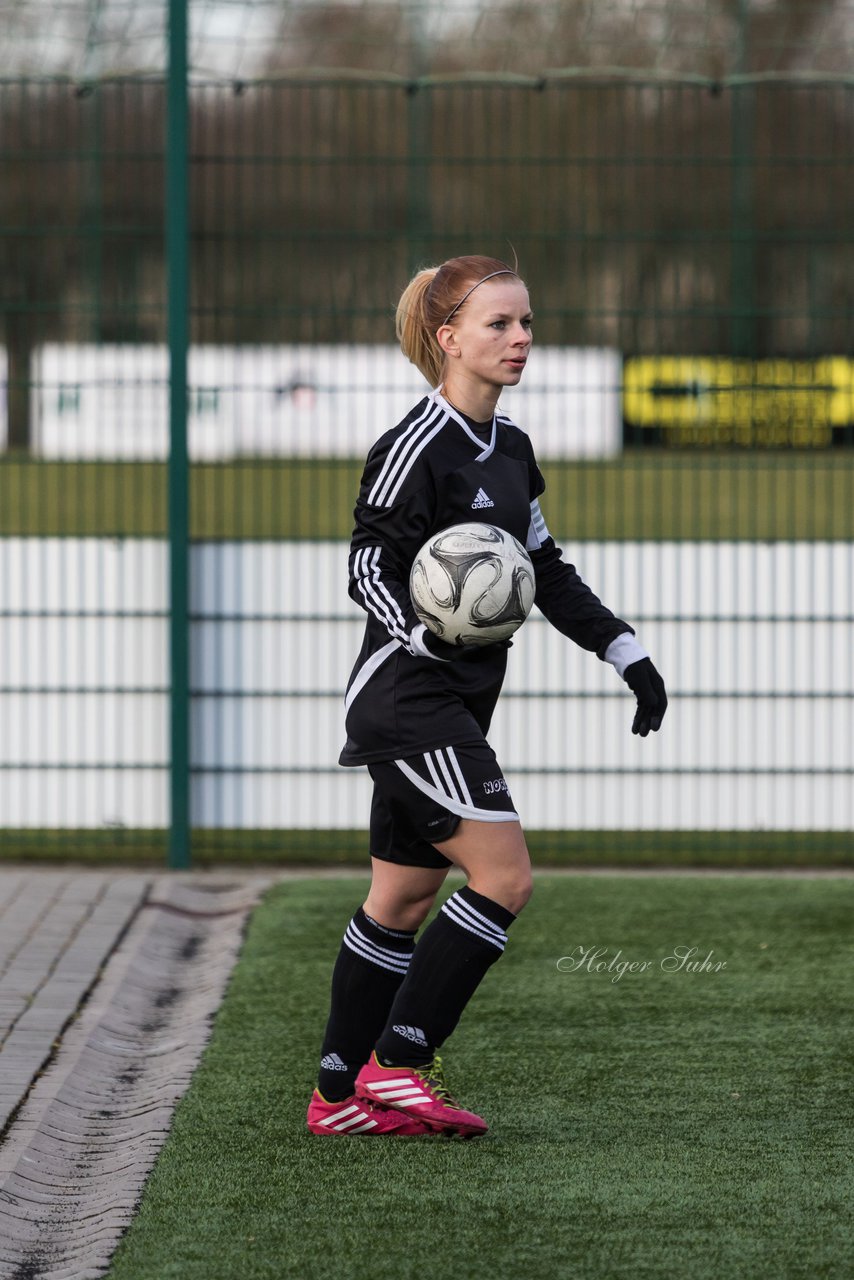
point(391, 524)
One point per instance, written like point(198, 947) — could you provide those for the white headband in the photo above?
point(505, 271)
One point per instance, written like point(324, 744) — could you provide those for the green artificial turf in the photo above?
point(663, 1124)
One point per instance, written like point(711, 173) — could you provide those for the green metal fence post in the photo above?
point(418, 101)
point(177, 249)
point(743, 271)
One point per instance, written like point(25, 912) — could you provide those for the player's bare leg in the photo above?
point(495, 858)
point(401, 897)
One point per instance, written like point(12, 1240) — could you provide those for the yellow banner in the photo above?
point(712, 400)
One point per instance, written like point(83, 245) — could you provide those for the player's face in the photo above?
point(492, 335)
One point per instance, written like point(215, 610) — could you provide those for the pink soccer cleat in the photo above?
point(356, 1116)
point(418, 1091)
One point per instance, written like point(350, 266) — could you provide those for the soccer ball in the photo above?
point(472, 584)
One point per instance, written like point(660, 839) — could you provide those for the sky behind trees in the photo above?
point(247, 38)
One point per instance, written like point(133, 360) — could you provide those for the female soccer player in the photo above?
point(418, 711)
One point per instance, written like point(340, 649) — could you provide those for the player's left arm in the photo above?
point(572, 608)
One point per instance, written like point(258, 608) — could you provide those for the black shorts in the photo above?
point(420, 800)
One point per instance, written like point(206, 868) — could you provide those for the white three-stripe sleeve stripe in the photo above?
point(538, 521)
point(366, 571)
point(390, 464)
point(399, 453)
point(458, 910)
point(395, 961)
point(392, 477)
point(423, 443)
point(378, 599)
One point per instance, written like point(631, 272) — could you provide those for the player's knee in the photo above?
point(416, 912)
point(522, 890)
point(401, 912)
point(518, 883)
point(510, 889)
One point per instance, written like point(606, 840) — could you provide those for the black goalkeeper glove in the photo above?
point(648, 687)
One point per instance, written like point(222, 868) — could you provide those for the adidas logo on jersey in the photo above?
point(415, 1034)
point(482, 499)
point(331, 1062)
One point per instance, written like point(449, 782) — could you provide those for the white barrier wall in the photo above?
point(754, 642)
point(111, 401)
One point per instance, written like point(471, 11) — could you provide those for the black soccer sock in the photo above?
point(371, 965)
point(451, 958)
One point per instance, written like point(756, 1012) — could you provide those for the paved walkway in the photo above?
point(108, 987)
point(56, 931)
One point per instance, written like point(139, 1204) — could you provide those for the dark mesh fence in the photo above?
point(687, 244)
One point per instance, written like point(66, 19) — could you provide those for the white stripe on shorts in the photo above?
point(458, 807)
point(455, 765)
point(449, 781)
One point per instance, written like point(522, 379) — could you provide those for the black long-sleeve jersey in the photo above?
point(429, 472)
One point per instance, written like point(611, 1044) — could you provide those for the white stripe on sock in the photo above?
point(493, 935)
point(389, 953)
point(368, 954)
point(477, 916)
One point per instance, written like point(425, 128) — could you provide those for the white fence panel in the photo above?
point(753, 640)
point(112, 400)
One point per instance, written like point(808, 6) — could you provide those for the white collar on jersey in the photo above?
point(484, 451)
